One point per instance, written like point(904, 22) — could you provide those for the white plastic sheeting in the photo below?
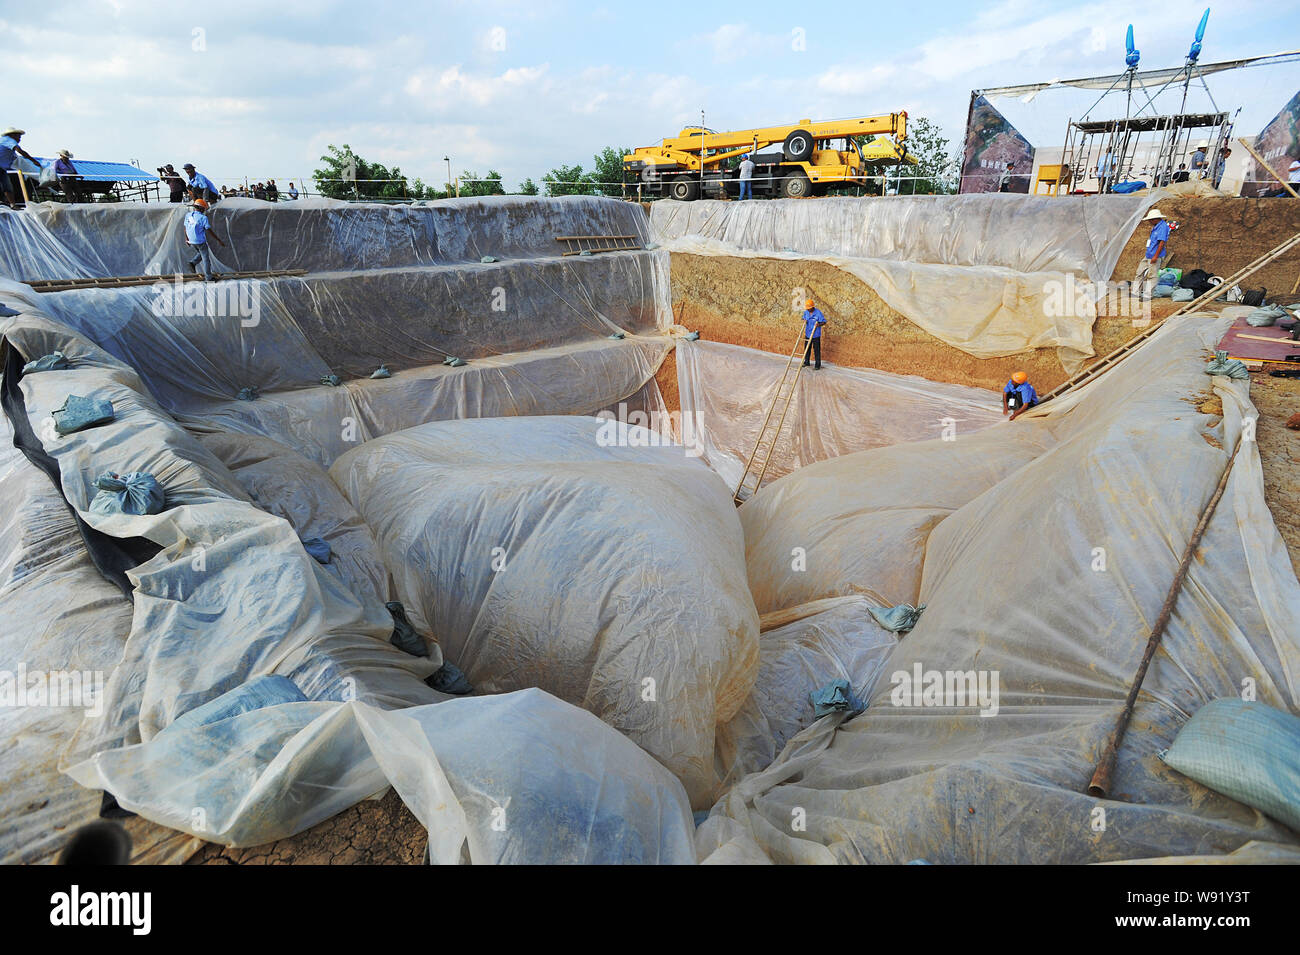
point(55, 240)
point(1048, 575)
point(515, 778)
point(726, 390)
point(984, 273)
point(78, 624)
point(570, 554)
point(800, 651)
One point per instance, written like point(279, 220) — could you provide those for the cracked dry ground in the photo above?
point(374, 832)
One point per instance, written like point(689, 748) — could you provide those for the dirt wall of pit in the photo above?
point(750, 301)
point(1222, 235)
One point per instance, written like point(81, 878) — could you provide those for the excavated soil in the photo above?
point(747, 301)
point(1277, 399)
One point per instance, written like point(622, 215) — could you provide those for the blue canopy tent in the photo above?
point(98, 177)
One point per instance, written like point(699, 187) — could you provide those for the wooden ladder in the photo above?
point(761, 456)
point(1109, 361)
point(578, 244)
point(127, 281)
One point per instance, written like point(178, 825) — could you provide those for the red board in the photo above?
point(1249, 349)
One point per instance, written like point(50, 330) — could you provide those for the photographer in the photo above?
point(174, 182)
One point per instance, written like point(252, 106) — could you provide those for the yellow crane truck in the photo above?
point(810, 158)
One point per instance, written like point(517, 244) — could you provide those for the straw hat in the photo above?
point(65, 154)
point(13, 131)
point(1153, 214)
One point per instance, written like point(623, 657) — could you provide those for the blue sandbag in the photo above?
point(256, 694)
point(404, 635)
point(318, 548)
point(450, 679)
point(835, 697)
point(899, 619)
point(251, 393)
point(55, 361)
point(332, 380)
point(381, 372)
point(1247, 751)
point(136, 492)
point(79, 413)
point(1123, 188)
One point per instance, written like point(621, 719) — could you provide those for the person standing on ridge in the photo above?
point(200, 186)
point(746, 177)
point(1148, 270)
point(9, 152)
point(813, 320)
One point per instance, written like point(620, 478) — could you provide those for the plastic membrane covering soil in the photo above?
point(568, 553)
point(639, 647)
point(992, 275)
point(726, 391)
point(232, 595)
point(1042, 557)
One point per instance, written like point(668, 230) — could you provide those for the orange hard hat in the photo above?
point(1019, 377)
point(808, 303)
point(200, 203)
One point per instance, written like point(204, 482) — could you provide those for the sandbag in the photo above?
point(134, 493)
point(1265, 315)
point(1246, 750)
point(573, 555)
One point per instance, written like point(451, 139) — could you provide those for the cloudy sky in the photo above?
point(257, 90)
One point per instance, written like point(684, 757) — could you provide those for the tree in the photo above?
point(346, 175)
point(528, 187)
point(489, 185)
point(608, 174)
point(568, 181)
point(936, 165)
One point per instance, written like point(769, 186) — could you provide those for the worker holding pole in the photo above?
point(813, 320)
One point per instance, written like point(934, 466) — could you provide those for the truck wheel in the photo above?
point(798, 146)
point(796, 186)
point(685, 189)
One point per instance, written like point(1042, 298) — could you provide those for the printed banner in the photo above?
point(993, 146)
point(1279, 144)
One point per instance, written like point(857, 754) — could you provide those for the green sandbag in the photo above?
point(1246, 750)
point(79, 413)
point(381, 372)
point(1221, 364)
